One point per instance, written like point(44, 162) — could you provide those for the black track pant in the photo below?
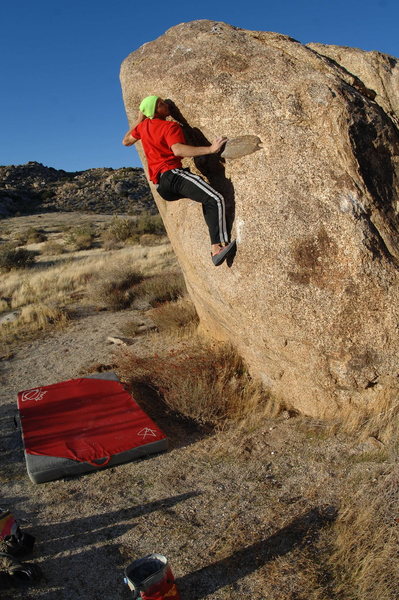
point(181, 183)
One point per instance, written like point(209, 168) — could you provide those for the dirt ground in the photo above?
point(243, 512)
point(232, 511)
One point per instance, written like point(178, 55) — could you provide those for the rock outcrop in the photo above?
point(311, 299)
point(33, 187)
point(378, 72)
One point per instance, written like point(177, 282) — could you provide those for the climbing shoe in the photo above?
point(218, 258)
point(151, 578)
point(14, 572)
point(12, 540)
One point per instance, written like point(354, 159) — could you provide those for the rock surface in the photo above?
point(35, 188)
point(379, 72)
point(311, 299)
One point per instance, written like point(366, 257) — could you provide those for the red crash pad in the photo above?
point(86, 420)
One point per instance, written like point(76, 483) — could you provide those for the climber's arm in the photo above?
point(129, 140)
point(184, 150)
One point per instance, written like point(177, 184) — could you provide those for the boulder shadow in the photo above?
point(210, 166)
point(209, 579)
point(180, 431)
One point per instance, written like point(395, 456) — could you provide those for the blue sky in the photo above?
point(61, 102)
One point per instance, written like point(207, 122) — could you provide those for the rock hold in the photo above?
point(241, 146)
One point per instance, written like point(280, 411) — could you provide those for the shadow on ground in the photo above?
point(228, 571)
point(179, 431)
point(85, 531)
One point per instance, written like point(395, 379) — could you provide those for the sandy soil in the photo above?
point(232, 511)
point(245, 512)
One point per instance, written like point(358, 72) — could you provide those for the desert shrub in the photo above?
point(52, 247)
point(364, 558)
point(205, 383)
point(164, 287)
point(120, 229)
point(133, 240)
point(16, 258)
point(175, 315)
point(115, 290)
point(4, 305)
point(123, 229)
point(149, 239)
point(118, 290)
point(81, 238)
point(46, 194)
point(41, 316)
point(19, 238)
point(35, 235)
point(32, 235)
point(150, 224)
point(34, 318)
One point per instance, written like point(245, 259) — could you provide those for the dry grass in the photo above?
point(353, 558)
point(53, 284)
point(118, 288)
point(35, 235)
point(115, 290)
point(52, 247)
point(364, 561)
point(379, 420)
point(81, 238)
point(163, 287)
point(29, 235)
point(134, 229)
point(60, 284)
point(207, 383)
point(177, 315)
point(57, 282)
point(31, 319)
point(15, 258)
point(4, 305)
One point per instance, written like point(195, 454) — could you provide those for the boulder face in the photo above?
point(377, 71)
point(311, 298)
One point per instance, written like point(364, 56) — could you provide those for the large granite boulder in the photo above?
point(377, 71)
point(311, 299)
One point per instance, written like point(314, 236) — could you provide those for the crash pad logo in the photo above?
point(147, 432)
point(36, 395)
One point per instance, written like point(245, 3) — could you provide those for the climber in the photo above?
point(164, 146)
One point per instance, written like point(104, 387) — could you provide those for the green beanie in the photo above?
point(148, 106)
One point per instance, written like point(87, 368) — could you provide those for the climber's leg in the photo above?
point(184, 184)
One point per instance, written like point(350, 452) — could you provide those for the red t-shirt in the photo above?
point(157, 136)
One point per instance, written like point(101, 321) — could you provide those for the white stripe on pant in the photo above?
point(205, 187)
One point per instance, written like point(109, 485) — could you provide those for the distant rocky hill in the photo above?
point(33, 188)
